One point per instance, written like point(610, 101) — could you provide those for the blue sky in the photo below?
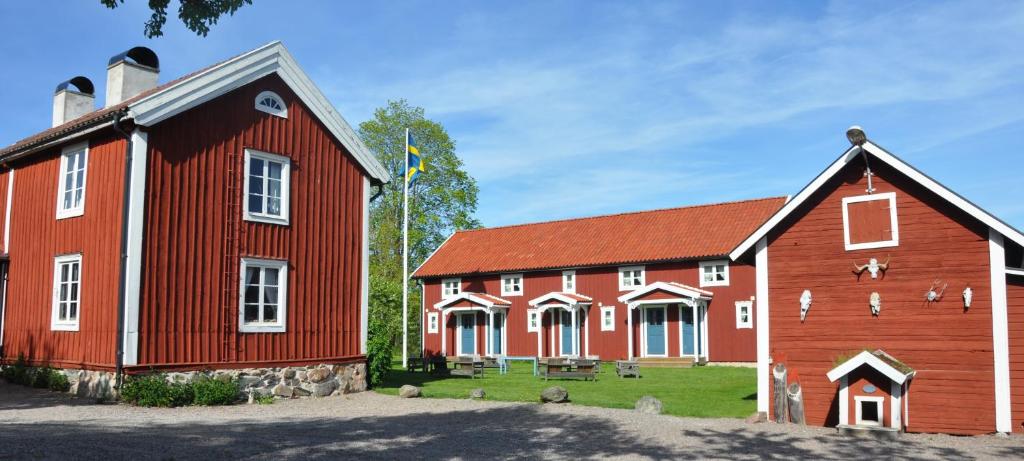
point(564, 109)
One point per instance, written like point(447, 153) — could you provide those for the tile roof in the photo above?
point(626, 238)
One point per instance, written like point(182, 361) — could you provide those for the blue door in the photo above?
point(687, 330)
point(655, 330)
point(499, 324)
point(566, 333)
point(468, 333)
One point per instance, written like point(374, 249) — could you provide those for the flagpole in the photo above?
point(405, 256)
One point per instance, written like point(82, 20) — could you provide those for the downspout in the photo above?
point(380, 190)
point(123, 270)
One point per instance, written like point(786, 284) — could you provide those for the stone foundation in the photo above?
point(289, 382)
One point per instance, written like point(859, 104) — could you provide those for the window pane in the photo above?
point(67, 200)
point(78, 197)
point(80, 160)
point(73, 311)
point(62, 313)
point(252, 313)
point(270, 295)
point(270, 313)
point(274, 188)
point(252, 294)
point(274, 170)
point(74, 272)
point(255, 203)
point(74, 292)
point(270, 276)
point(256, 167)
point(252, 276)
point(274, 206)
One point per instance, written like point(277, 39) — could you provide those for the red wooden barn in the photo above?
point(655, 285)
point(897, 302)
point(217, 221)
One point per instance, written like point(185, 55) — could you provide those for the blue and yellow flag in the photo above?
point(415, 161)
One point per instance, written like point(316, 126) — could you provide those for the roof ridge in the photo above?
point(624, 213)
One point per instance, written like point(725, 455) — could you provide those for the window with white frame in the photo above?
point(608, 318)
point(271, 103)
point(869, 411)
point(451, 287)
point(714, 273)
point(512, 285)
point(870, 221)
point(532, 320)
point(432, 322)
point(267, 187)
point(744, 314)
point(264, 296)
point(569, 281)
point(67, 292)
point(71, 183)
point(631, 278)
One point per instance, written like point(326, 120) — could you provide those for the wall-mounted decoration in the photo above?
point(933, 295)
point(968, 297)
point(876, 303)
point(870, 389)
point(873, 267)
point(805, 304)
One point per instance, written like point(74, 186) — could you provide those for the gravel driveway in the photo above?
point(38, 424)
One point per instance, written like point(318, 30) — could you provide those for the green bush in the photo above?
point(19, 373)
point(41, 377)
point(58, 382)
point(154, 391)
point(385, 300)
point(214, 392)
point(265, 399)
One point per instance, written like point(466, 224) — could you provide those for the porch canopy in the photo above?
point(573, 303)
point(897, 372)
point(662, 293)
point(469, 301)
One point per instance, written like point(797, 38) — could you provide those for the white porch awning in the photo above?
point(684, 294)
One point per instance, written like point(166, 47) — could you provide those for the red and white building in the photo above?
point(653, 284)
point(892, 300)
point(217, 221)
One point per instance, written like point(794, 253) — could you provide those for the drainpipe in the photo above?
point(380, 191)
point(123, 270)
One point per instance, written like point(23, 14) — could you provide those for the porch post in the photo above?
point(490, 333)
point(586, 332)
point(444, 332)
point(554, 346)
point(629, 329)
point(540, 331)
point(575, 334)
point(696, 330)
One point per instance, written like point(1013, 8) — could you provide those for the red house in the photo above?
point(656, 285)
point(215, 222)
point(896, 302)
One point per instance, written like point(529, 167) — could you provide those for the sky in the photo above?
point(563, 109)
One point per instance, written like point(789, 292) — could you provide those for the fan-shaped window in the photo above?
point(271, 103)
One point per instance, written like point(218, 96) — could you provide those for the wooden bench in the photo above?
point(625, 368)
point(416, 363)
point(437, 365)
point(556, 368)
point(468, 367)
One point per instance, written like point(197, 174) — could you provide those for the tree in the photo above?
point(443, 199)
point(198, 15)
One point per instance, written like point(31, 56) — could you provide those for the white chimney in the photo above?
point(72, 99)
point(131, 73)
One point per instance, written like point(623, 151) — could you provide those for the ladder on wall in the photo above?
point(230, 262)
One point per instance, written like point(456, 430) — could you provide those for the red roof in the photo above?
point(692, 232)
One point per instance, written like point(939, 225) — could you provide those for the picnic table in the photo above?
point(468, 366)
point(625, 368)
point(560, 368)
point(503, 363)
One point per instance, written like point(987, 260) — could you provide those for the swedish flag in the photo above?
point(414, 160)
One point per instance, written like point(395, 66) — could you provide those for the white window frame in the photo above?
point(432, 322)
point(569, 281)
point(282, 112)
point(740, 305)
point(713, 264)
point(66, 153)
point(282, 296)
point(893, 222)
point(286, 168)
point(445, 293)
point(605, 310)
point(505, 291)
point(879, 401)
point(532, 320)
point(631, 287)
point(55, 323)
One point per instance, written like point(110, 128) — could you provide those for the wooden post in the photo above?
point(796, 403)
point(779, 373)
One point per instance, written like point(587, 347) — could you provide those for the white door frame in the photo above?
point(458, 333)
point(643, 329)
point(504, 333)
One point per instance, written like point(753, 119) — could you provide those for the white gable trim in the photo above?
point(692, 293)
point(471, 297)
point(901, 166)
point(245, 69)
point(869, 359)
point(560, 297)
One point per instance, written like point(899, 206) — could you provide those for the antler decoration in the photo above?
point(932, 295)
point(873, 267)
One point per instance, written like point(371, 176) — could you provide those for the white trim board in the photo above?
point(894, 227)
point(242, 70)
point(1000, 331)
point(869, 359)
point(133, 274)
point(886, 157)
point(364, 282)
point(761, 320)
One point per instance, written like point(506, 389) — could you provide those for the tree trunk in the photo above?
point(796, 403)
point(779, 372)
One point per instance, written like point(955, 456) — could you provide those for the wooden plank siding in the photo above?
point(950, 348)
point(1015, 322)
point(726, 342)
point(195, 160)
point(37, 237)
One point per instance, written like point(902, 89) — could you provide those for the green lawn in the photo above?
point(700, 391)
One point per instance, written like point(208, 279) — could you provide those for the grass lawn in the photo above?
point(700, 391)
